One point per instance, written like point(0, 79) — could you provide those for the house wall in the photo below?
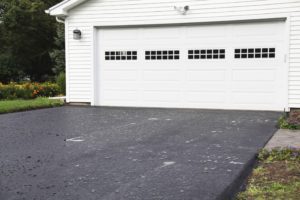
point(140, 12)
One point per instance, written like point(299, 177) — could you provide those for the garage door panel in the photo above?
point(206, 32)
point(206, 75)
point(205, 97)
point(257, 40)
point(161, 44)
point(162, 75)
point(205, 43)
point(116, 103)
point(120, 75)
point(253, 98)
point(162, 33)
point(107, 35)
point(116, 45)
point(254, 75)
point(161, 66)
point(258, 29)
point(197, 79)
point(120, 95)
point(162, 85)
point(154, 104)
point(257, 86)
point(205, 86)
point(256, 65)
point(120, 65)
point(161, 96)
point(208, 66)
point(120, 85)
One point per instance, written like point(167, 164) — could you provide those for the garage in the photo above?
point(216, 66)
point(232, 55)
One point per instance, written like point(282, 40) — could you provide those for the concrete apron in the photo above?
point(284, 139)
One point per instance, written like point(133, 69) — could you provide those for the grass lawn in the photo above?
point(22, 105)
point(276, 177)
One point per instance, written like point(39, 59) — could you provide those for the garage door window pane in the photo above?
point(120, 55)
point(252, 53)
point(162, 55)
point(206, 54)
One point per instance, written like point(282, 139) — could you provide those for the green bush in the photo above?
point(61, 82)
point(28, 90)
point(284, 124)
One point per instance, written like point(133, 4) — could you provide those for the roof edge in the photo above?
point(62, 8)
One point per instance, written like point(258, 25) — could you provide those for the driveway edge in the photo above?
point(232, 190)
point(241, 180)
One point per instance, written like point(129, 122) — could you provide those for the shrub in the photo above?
point(61, 82)
point(283, 123)
point(28, 90)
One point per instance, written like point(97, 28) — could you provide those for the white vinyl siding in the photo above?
point(142, 12)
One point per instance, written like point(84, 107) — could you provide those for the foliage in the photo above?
point(279, 155)
point(28, 90)
point(293, 117)
point(276, 177)
point(58, 53)
point(284, 124)
point(8, 74)
point(27, 37)
point(7, 71)
point(22, 105)
point(61, 82)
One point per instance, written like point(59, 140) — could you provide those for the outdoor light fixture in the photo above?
point(77, 34)
point(182, 10)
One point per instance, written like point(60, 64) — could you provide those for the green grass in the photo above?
point(276, 177)
point(8, 106)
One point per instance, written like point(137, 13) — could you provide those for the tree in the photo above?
point(58, 53)
point(27, 37)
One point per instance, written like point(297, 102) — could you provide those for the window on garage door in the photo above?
point(120, 55)
point(162, 55)
point(206, 54)
point(255, 53)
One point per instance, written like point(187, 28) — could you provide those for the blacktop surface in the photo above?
point(85, 153)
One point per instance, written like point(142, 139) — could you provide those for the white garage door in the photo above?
point(229, 66)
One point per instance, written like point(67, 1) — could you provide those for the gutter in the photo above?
point(63, 7)
point(59, 20)
point(55, 6)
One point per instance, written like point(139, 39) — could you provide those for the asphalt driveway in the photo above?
point(84, 153)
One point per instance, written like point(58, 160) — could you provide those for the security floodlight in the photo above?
point(182, 10)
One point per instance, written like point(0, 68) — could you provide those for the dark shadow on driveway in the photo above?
point(84, 153)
